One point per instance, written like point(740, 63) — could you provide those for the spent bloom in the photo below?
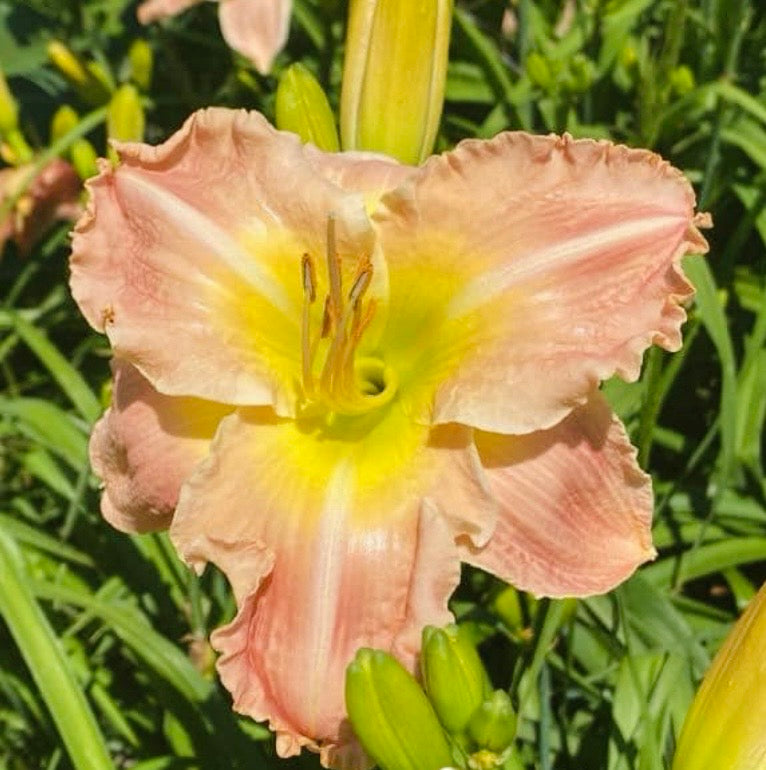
point(255, 28)
point(52, 196)
point(337, 376)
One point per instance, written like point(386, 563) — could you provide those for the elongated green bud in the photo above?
point(302, 108)
point(63, 121)
point(88, 79)
point(725, 728)
point(125, 117)
point(9, 109)
point(391, 715)
point(493, 725)
point(453, 675)
point(394, 76)
point(84, 158)
point(141, 60)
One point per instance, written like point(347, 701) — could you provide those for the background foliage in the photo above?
point(600, 683)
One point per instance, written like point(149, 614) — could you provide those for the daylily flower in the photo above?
point(402, 364)
point(52, 196)
point(255, 28)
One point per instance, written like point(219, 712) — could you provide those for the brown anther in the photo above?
point(361, 283)
point(309, 277)
point(326, 319)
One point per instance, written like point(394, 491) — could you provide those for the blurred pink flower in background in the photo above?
point(338, 376)
point(52, 196)
point(255, 28)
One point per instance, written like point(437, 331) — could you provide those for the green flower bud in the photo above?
point(453, 675)
point(84, 157)
point(64, 120)
point(89, 80)
point(581, 73)
point(125, 116)
point(302, 108)
point(539, 71)
point(9, 109)
point(394, 76)
point(391, 715)
point(141, 60)
point(682, 80)
point(493, 724)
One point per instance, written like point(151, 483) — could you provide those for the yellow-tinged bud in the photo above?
point(125, 116)
point(726, 724)
point(302, 108)
point(14, 148)
point(493, 724)
point(141, 59)
point(89, 80)
point(682, 80)
point(539, 71)
point(64, 120)
point(9, 110)
point(394, 76)
point(391, 715)
point(84, 158)
point(453, 675)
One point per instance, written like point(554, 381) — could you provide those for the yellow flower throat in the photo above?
point(345, 383)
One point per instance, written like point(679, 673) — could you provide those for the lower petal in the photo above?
point(332, 541)
point(575, 508)
point(145, 447)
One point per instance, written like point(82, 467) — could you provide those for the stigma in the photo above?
point(332, 375)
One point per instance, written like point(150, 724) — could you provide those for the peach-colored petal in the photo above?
point(258, 29)
point(190, 256)
point(151, 10)
point(524, 270)
point(371, 174)
point(52, 196)
point(145, 447)
point(575, 508)
point(330, 543)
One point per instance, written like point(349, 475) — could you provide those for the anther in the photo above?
point(360, 285)
point(333, 268)
point(309, 277)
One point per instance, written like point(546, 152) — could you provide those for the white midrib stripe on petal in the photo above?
point(202, 229)
point(329, 560)
point(523, 267)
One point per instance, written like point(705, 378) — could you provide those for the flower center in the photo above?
point(341, 382)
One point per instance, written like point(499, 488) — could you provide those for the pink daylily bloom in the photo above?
point(386, 369)
point(52, 196)
point(257, 29)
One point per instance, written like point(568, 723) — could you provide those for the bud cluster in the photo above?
point(455, 720)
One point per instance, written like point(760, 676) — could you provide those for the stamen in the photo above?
point(361, 283)
point(333, 270)
point(307, 350)
point(309, 277)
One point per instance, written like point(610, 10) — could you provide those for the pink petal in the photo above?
point(189, 256)
point(329, 546)
point(575, 508)
point(551, 264)
point(368, 173)
point(151, 10)
point(258, 29)
point(145, 447)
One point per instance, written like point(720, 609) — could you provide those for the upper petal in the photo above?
point(575, 508)
point(524, 270)
point(258, 29)
point(151, 10)
point(145, 447)
point(190, 256)
point(333, 538)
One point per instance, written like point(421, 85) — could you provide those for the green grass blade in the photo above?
point(70, 380)
point(43, 654)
